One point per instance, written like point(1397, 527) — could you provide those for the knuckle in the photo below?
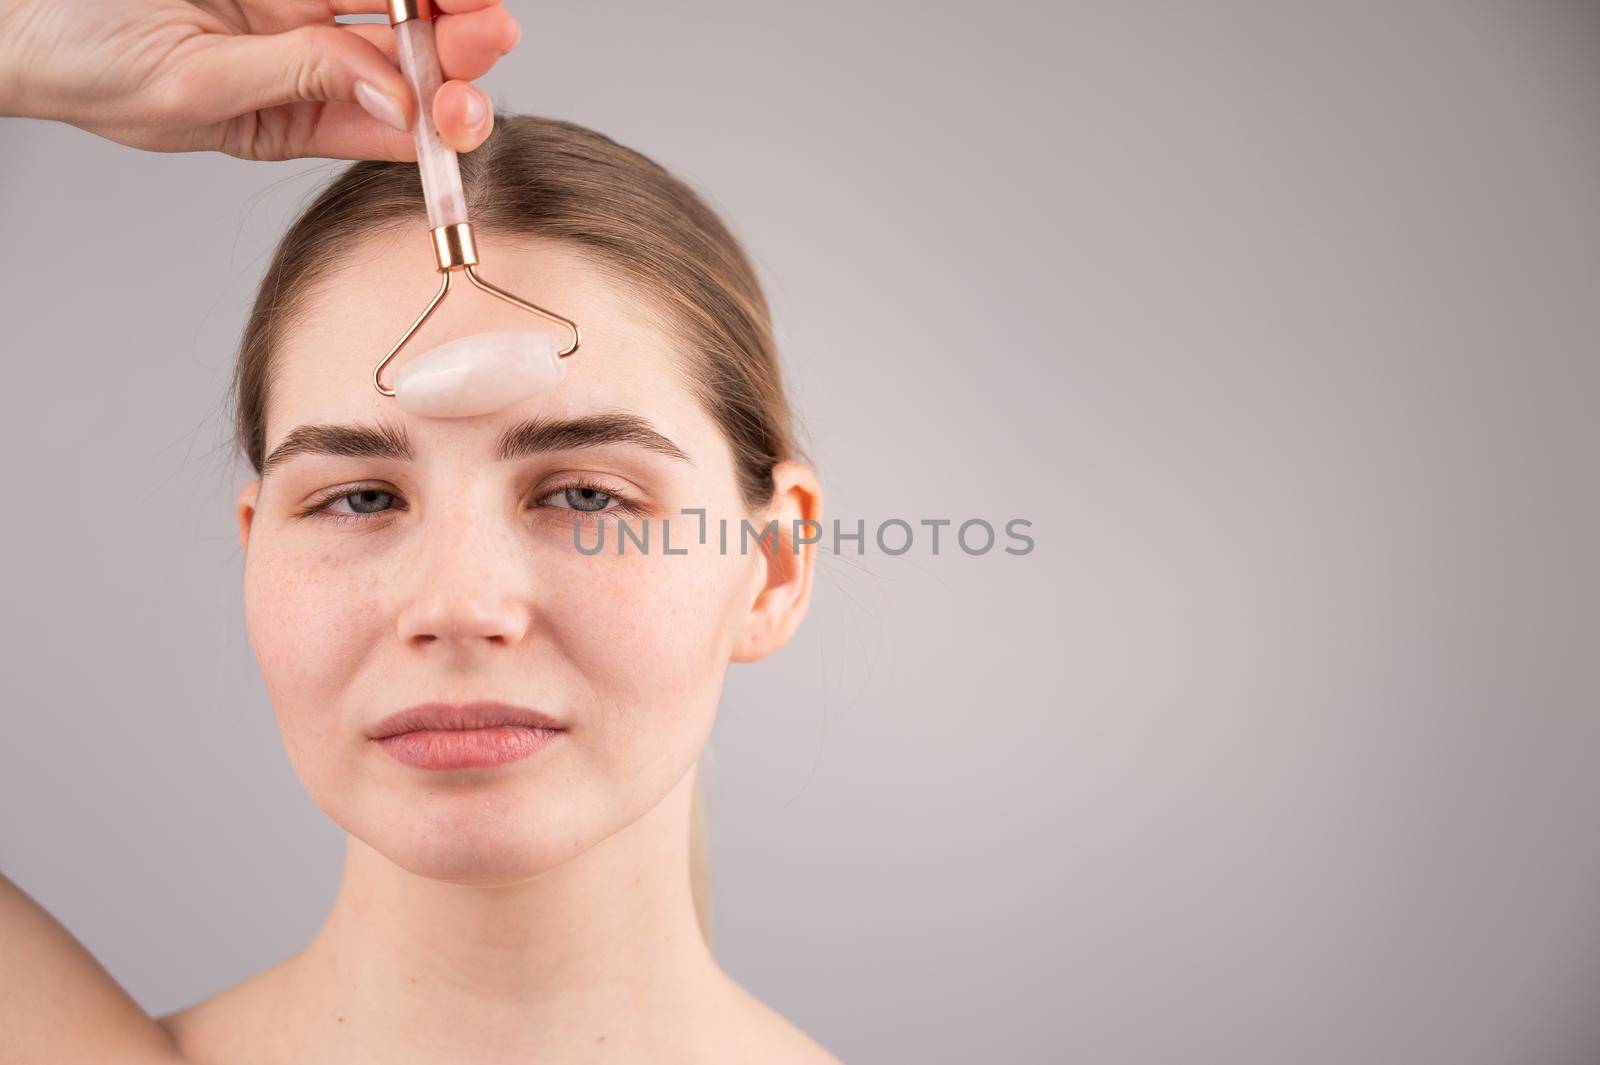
point(312, 73)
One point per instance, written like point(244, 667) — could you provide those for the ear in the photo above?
point(785, 594)
point(247, 511)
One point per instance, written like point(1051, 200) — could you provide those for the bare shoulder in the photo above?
point(235, 1024)
point(763, 1034)
point(58, 1004)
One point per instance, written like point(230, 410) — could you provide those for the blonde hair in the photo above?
point(556, 179)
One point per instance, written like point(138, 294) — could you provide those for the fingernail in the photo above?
point(476, 110)
point(380, 106)
point(516, 34)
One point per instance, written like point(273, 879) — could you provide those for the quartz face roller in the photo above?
point(478, 374)
point(486, 371)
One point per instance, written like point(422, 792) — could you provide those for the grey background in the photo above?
point(1278, 321)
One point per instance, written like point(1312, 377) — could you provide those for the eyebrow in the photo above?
point(388, 440)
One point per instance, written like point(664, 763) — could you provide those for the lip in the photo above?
point(465, 735)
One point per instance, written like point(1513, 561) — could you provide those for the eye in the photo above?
point(586, 499)
point(363, 502)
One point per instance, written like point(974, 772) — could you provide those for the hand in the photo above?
point(257, 79)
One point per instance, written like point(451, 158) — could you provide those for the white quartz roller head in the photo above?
point(478, 374)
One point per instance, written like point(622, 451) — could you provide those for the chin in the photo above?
point(480, 836)
point(456, 864)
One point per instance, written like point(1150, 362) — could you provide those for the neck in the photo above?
point(603, 953)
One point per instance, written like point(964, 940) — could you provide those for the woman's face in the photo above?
point(376, 581)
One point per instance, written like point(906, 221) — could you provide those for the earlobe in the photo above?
point(246, 511)
point(781, 604)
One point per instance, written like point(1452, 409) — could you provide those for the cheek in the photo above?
point(307, 625)
point(649, 633)
point(649, 638)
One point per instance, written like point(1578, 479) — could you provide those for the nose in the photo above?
point(469, 579)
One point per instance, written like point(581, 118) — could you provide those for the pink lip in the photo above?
point(465, 736)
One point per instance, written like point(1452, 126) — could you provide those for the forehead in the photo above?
point(322, 368)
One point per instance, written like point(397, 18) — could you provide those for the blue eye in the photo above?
point(363, 501)
point(586, 498)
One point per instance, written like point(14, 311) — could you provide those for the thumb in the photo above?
point(252, 72)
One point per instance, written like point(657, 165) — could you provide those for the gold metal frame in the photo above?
point(455, 248)
point(402, 10)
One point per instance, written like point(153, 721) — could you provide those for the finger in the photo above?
point(464, 115)
point(357, 7)
point(345, 131)
point(252, 72)
point(470, 44)
point(379, 34)
point(381, 7)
